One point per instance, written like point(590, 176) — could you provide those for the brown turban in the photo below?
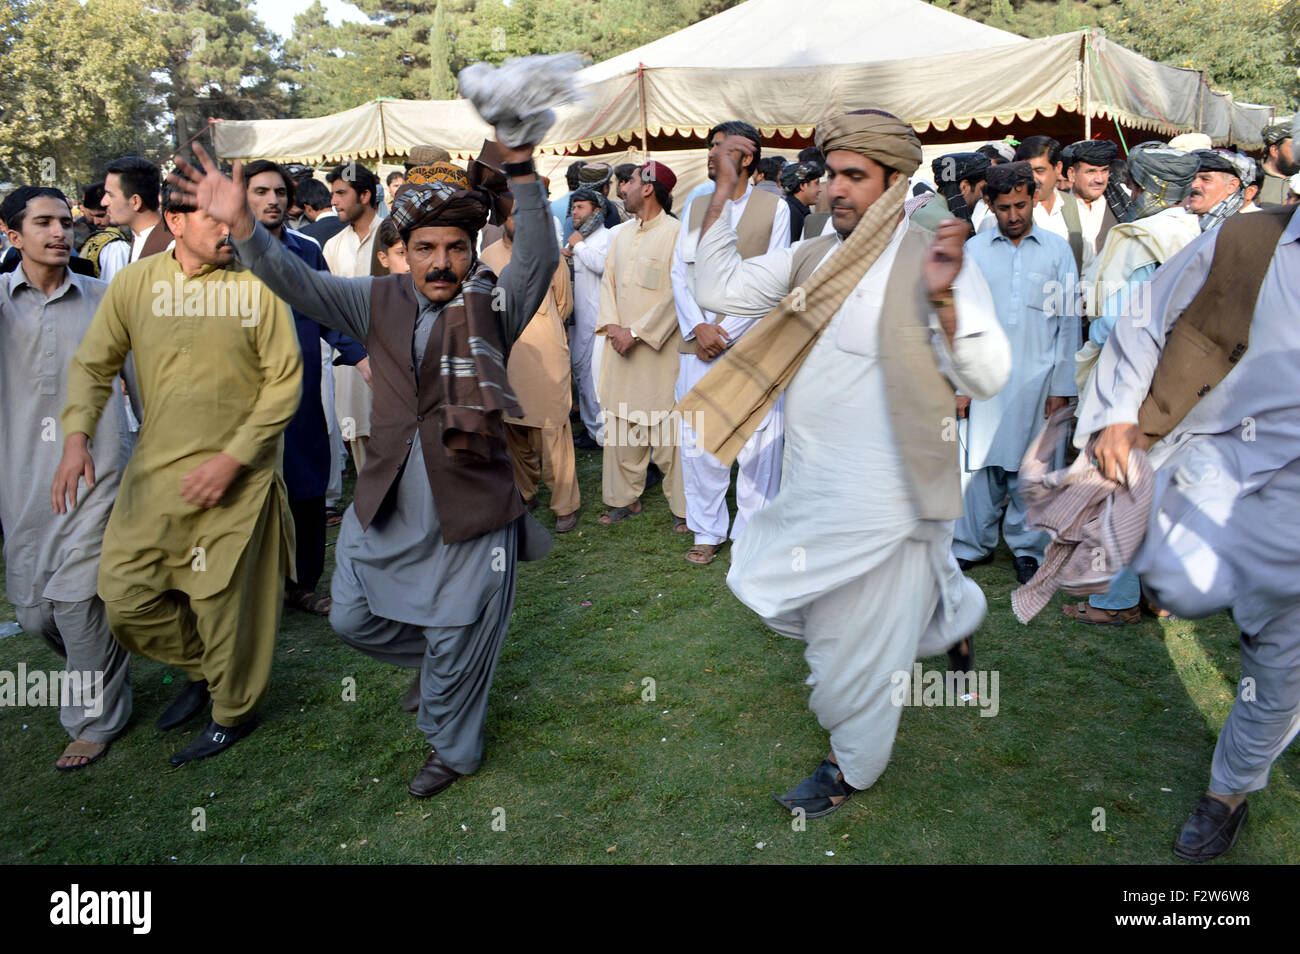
point(875, 134)
point(432, 204)
point(427, 155)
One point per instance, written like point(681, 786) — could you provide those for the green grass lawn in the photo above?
point(580, 768)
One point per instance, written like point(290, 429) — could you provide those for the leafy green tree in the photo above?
point(75, 89)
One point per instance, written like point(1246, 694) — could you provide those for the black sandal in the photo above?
point(814, 793)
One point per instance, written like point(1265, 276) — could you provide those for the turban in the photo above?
point(438, 172)
point(1190, 142)
point(432, 204)
point(875, 134)
point(1006, 178)
point(427, 155)
point(795, 174)
point(585, 195)
point(1276, 134)
point(595, 174)
point(960, 166)
point(1216, 160)
point(1004, 149)
point(656, 171)
point(1095, 152)
point(1163, 174)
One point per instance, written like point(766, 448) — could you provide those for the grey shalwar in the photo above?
point(400, 593)
point(52, 561)
point(1222, 533)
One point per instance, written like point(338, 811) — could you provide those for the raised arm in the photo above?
point(342, 304)
point(339, 303)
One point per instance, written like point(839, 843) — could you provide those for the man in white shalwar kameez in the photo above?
point(708, 335)
point(588, 256)
point(849, 556)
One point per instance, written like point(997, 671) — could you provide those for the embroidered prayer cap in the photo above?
point(795, 174)
point(438, 172)
point(875, 134)
point(656, 171)
point(1164, 175)
point(1095, 152)
point(433, 204)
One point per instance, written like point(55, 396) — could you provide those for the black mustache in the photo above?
point(441, 275)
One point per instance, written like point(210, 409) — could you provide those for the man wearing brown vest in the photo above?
point(762, 224)
point(867, 330)
point(428, 549)
point(1203, 372)
point(639, 363)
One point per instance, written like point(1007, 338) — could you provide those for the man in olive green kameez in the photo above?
point(201, 539)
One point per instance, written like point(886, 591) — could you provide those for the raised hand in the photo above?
point(221, 196)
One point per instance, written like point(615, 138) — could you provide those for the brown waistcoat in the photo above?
point(753, 232)
point(473, 496)
point(919, 399)
point(1213, 332)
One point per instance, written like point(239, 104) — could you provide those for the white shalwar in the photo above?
point(584, 357)
point(705, 478)
point(840, 559)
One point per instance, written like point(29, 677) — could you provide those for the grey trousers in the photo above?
point(975, 535)
point(456, 663)
point(79, 632)
point(1266, 715)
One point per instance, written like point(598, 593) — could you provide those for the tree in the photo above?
point(219, 61)
point(68, 106)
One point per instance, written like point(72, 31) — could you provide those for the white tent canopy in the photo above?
point(978, 77)
point(775, 34)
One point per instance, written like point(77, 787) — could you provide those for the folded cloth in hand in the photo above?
point(517, 96)
point(1096, 524)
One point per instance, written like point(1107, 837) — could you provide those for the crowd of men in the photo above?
point(189, 364)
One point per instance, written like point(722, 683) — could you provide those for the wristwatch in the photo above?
point(516, 169)
point(942, 301)
point(635, 336)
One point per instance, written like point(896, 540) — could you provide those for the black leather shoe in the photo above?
point(968, 564)
point(585, 441)
point(213, 740)
point(432, 778)
point(185, 707)
point(411, 697)
point(1210, 830)
point(959, 661)
point(653, 476)
point(1026, 567)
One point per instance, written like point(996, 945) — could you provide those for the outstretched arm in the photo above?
point(339, 303)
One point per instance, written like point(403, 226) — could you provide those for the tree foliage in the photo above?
point(75, 89)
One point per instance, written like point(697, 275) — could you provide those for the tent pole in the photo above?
point(1087, 87)
point(640, 93)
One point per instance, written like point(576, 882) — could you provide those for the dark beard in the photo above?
point(1287, 169)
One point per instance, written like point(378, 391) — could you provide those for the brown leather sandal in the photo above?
point(1085, 612)
point(92, 752)
point(702, 554)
